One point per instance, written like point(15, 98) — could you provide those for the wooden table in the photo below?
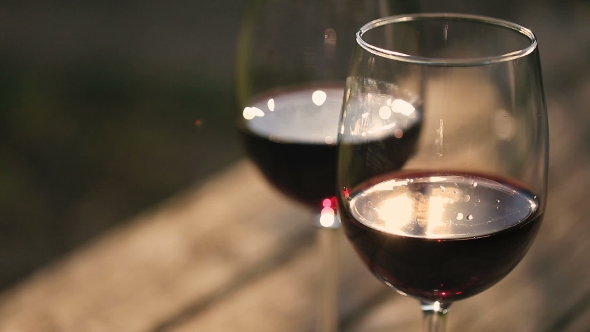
point(233, 255)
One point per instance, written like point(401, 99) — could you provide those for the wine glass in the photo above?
point(443, 153)
point(292, 62)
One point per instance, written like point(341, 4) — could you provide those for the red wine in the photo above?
point(291, 137)
point(440, 237)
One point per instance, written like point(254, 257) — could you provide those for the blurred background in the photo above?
point(108, 108)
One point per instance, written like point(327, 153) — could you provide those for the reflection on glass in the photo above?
point(328, 214)
point(319, 97)
point(442, 206)
point(250, 113)
point(403, 107)
point(303, 115)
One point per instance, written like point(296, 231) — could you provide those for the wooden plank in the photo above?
point(231, 248)
point(286, 298)
point(185, 254)
point(280, 301)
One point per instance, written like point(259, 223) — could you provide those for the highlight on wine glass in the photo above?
point(443, 153)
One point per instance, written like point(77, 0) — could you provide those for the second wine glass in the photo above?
point(293, 59)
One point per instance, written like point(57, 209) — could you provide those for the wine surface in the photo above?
point(291, 136)
point(440, 236)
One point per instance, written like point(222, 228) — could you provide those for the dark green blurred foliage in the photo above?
point(87, 144)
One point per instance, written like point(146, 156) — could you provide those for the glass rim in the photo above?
point(391, 54)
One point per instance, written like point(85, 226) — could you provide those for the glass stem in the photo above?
point(434, 317)
point(328, 238)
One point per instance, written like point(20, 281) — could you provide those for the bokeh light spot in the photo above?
point(319, 97)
